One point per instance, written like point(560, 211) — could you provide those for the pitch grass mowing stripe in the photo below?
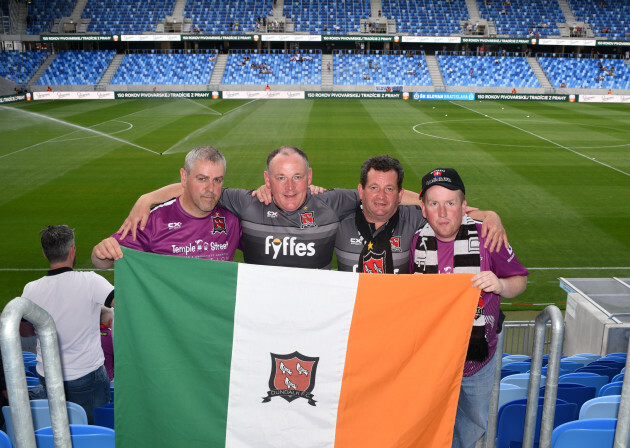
point(559, 209)
point(542, 138)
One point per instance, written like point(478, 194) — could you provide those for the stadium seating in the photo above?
point(126, 17)
point(510, 392)
point(523, 17)
point(615, 16)
point(585, 378)
point(515, 358)
point(281, 68)
point(381, 69)
point(42, 13)
point(171, 68)
point(573, 393)
point(612, 388)
point(521, 367)
point(583, 73)
point(77, 67)
point(20, 66)
point(521, 379)
point(600, 407)
point(41, 416)
point(215, 16)
point(426, 17)
point(104, 416)
point(5, 442)
point(590, 433)
point(511, 420)
point(83, 436)
point(487, 71)
point(327, 16)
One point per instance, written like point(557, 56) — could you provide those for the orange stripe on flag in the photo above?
point(405, 359)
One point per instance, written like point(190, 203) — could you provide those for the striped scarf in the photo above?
point(466, 259)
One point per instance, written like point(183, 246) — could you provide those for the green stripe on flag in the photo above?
point(182, 371)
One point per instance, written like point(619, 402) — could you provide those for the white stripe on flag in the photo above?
point(315, 308)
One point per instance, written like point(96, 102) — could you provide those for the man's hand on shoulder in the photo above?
point(263, 194)
point(105, 252)
point(138, 217)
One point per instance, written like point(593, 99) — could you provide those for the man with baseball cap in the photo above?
point(451, 242)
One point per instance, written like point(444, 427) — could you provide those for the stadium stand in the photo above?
point(586, 73)
point(611, 21)
point(170, 68)
point(42, 14)
point(381, 69)
point(327, 16)
point(221, 17)
point(19, 66)
point(521, 18)
point(125, 16)
point(487, 71)
point(272, 69)
point(427, 17)
point(77, 67)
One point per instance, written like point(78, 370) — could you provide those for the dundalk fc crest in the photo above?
point(292, 377)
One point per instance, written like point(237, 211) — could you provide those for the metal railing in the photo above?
point(11, 346)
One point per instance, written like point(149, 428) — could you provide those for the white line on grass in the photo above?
point(46, 117)
point(416, 127)
point(589, 268)
point(202, 129)
point(542, 138)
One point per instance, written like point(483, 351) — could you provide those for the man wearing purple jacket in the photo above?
point(451, 242)
point(191, 225)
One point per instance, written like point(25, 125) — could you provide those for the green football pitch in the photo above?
point(557, 173)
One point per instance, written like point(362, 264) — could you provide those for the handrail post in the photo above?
point(10, 343)
point(553, 370)
point(491, 431)
point(622, 432)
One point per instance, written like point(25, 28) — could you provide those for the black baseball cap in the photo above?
point(445, 177)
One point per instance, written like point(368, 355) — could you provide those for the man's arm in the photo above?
point(142, 209)
point(508, 287)
point(491, 229)
point(105, 252)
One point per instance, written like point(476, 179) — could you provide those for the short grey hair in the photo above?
point(286, 151)
point(56, 242)
point(207, 153)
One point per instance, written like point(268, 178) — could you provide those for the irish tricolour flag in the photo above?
point(214, 354)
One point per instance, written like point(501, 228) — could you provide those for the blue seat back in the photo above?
point(511, 420)
point(104, 416)
point(83, 436)
point(590, 433)
point(611, 389)
point(585, 378)
point(601, 407)
point(573, 393)
point(41, 416)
